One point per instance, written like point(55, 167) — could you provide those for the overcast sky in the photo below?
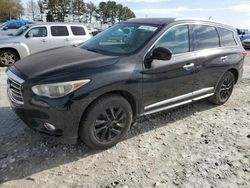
point(232, 12)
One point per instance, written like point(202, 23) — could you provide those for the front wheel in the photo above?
point(106, 122)
point(8, 57)
point(224, 89)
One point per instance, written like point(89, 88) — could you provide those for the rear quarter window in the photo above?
point(58, 31)
point(205, 37)
point(226, 37)
point(76, 30)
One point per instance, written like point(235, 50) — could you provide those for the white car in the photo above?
point(31, 39)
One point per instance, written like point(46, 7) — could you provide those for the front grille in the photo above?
point(15, 88)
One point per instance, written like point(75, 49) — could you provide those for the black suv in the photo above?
point(137, 67)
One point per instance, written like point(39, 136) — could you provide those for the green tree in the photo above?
point(10, 9)
point(91, 10)
point(78, 9)
point(127, 13)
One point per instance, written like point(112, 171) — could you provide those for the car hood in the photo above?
point(7, 38)
point(62, 61)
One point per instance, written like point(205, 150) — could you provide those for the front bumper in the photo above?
point(64, 114)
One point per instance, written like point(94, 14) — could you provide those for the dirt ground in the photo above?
point(199, 145)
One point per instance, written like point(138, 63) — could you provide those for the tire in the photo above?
point(8, 57)
point(106, 122)
point(224, 89)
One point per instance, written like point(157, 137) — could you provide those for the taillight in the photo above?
point(244, 53)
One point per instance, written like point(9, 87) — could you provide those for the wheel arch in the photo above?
point(12, 49)
point(125, 94)
point(235, 73)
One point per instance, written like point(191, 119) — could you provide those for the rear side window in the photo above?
point(205, 37)
point(76, 30)
point(226, 37)
point(176, 40)
point(58, 31)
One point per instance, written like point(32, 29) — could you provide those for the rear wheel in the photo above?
point(106, 122)
point(8, 57)
point(224, 89)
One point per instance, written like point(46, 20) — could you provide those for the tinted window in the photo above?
point(77, 30)
point(226, 37)
point(37, 32)
point(59, 31)
point(205, 37)
point(176, 40)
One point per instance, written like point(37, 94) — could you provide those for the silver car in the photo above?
point(31, 39)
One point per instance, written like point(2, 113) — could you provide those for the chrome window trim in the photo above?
point(181, 97)
point(195, 22)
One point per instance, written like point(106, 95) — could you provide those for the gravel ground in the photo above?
point(199, 145)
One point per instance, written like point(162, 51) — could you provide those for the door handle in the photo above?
point(224, 58)
point(43, 40)
point(189, 66)
point(66, 39)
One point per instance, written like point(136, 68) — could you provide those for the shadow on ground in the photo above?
point(24, 152)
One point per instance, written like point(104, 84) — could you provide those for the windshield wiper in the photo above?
point(92, 50)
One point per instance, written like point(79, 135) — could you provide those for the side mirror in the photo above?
point(161, 53)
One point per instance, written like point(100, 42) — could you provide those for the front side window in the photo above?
point(59, 31)
point(176, 40)
point(121, 39)
point(205, 37)
point(76, 30)
point(226, 37)
point(38, 32)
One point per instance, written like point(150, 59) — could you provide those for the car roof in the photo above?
point(55, 23)
point(167, 21)
point(157, 21)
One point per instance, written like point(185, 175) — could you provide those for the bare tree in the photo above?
point(32, 9)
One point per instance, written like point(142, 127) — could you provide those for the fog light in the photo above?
point(49, 127)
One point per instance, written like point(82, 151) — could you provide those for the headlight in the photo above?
point(57, 90)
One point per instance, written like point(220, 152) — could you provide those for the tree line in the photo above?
point(10, 9)
point(80, 11)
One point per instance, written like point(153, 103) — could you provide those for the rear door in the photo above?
point(79, 35)
point(59, 36)
point(216, 50)
point(210, 58)
point(167, 83)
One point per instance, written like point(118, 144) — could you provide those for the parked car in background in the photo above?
point(31, 39)
point(12, 25)
point(246, 41)
point(96, 31)
point(97, 90)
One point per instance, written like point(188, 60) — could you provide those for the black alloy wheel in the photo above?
point(224, 89)
point(106, 122)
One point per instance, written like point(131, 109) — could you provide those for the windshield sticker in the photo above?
point(148, 28)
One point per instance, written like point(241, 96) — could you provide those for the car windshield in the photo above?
point(2, 26)
point(121, 39)
point(20, 31)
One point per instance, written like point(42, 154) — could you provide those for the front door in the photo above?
point(167, 83)
point(37, 39)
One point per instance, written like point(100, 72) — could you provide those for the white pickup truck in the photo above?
point(31, 39)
